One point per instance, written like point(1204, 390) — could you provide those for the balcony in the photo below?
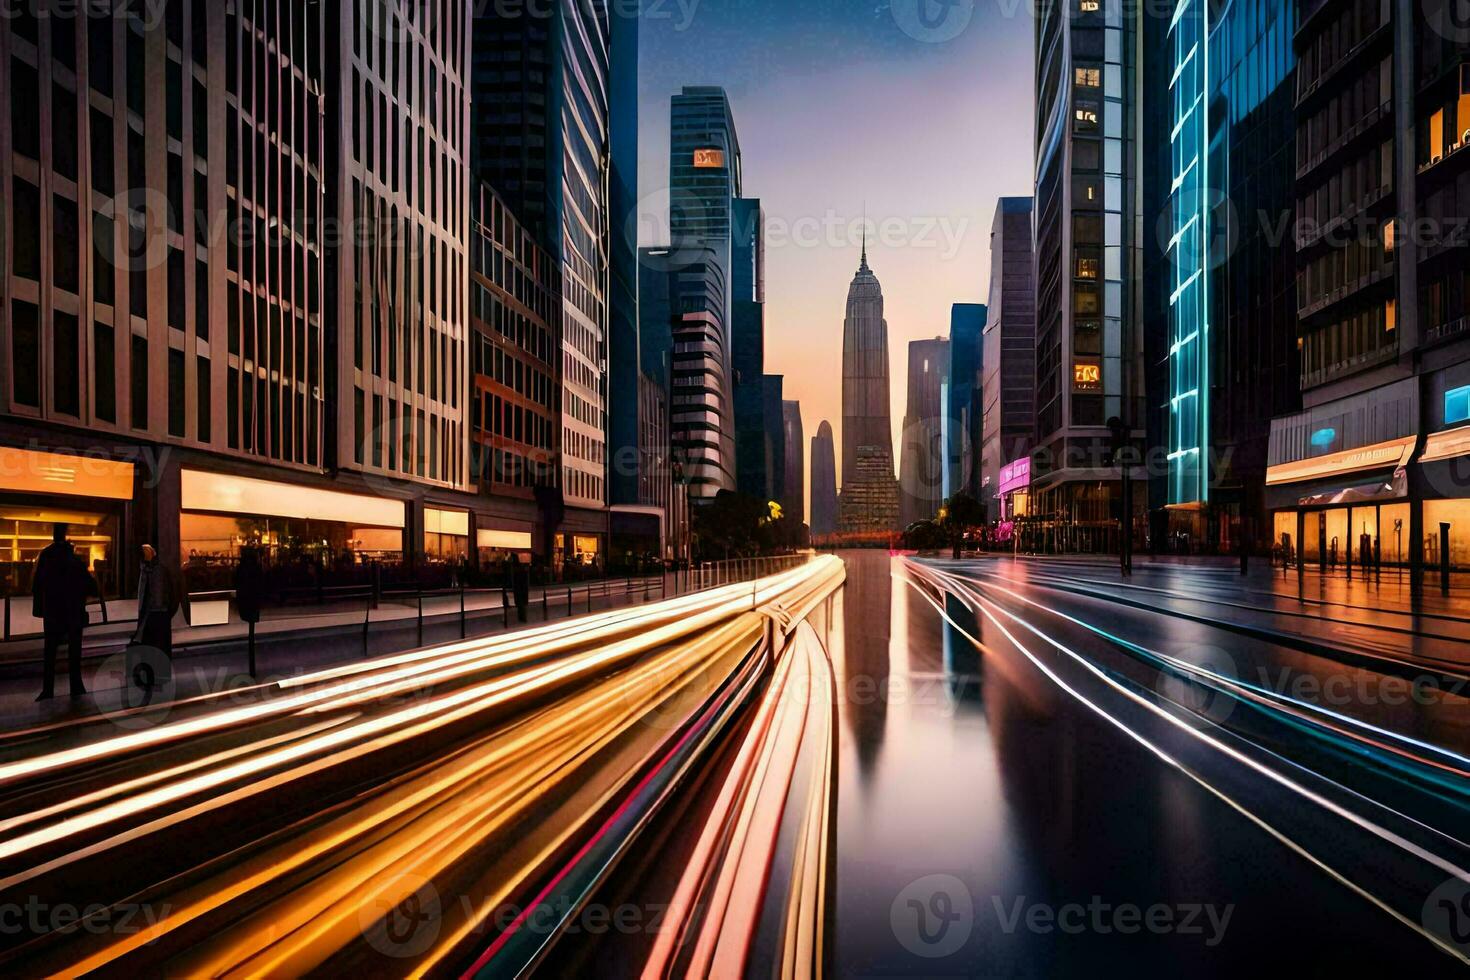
point(1350, 135)
point(1330, 299)
point(1447, 331)
point(1350, 366)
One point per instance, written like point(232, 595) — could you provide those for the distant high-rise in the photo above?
point(824, 481)
point(921, 459)
point(625, 427)
point(753, 468)
point(962, 394)
point(704, 174)
point(793, 496)
point(869, 499)
point(1008, 391)
point(772, 388)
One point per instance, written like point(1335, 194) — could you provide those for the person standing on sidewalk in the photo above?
point(60, 592)
point(159, 597)
point(521, 580)
point(249, 587)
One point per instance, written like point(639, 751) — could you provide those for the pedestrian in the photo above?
point(522, 583)
point(249, 586)
point(159, 598)
point(62, 584)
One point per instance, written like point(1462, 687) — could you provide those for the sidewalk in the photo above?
point(211, 659)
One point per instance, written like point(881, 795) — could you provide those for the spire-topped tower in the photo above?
point(869, 499)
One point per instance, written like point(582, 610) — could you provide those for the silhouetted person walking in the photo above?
point(159, 597)
point(521, 581)
point(249, 586)
point(59, 600)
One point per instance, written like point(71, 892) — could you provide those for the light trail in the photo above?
point(988, 609)
point(522, 725)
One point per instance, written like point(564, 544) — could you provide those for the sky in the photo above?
point(916, 114)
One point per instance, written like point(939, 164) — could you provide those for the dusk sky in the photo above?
point(838, 106)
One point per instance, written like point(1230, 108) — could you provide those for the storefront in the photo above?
point(1335, 507)
point(41, 489)
point(288, 523)
point(1013, 493)
point(495, 546)
point(446, 536)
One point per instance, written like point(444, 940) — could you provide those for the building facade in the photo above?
point(963, 390)
point(922, 451)
point(824, 480)
point(1220, 276)
point(869, 500)
point(1089, 348)
point(793, 492)
point(231, 283)
point(1372, 467)
point(753, 460)
point(1008, 388)
point(514, 406)
point(541, 91)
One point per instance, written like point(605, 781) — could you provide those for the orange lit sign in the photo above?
point(1088, 377)
point(28, 471)
point(709, 159)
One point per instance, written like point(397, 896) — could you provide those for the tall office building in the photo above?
point(542, 139)
point(793, 492)
point(772, 411)
point(753, 448)
point(869, 500)
point(1089, 349)
point(962, 397)
point(401, 295)
point(701, 428)
point(1219, 280)
point(514, 407)
point(1008, 416)
point(626, 428)
point(705, 176)
point(824, 480)
point(922, 453)
point(1383, 121)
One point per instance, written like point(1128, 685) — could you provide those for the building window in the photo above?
point(204, 392)
point(65, 344)
point(104, 383)
point(139, 375)
point(1088, 77)
point(25, 353)
point(176, 392)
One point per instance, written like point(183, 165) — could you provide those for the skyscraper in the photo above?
point(541, 90)
point(961, 419)
point(1008, 421)
point(625, 428)
point(704, 175)
point(1219, 282)
point(921, 457)
point(824, 480)
point(793, 495)
point(1089, 348)
point(753, 448)
point(869, 499)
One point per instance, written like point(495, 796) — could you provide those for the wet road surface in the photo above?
point(1000, 815)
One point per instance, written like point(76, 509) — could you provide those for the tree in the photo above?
point(959, 515)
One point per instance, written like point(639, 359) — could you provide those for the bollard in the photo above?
point(251, 648)
point(421, 618)
point(545, 606)
point(462, 623)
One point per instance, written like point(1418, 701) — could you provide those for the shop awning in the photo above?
point(240, 495)
point(30, 471)
point(1395, 452)
point(1446, 445)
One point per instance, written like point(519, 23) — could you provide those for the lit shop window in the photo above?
point(1085, 117)
point(1088, 77)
